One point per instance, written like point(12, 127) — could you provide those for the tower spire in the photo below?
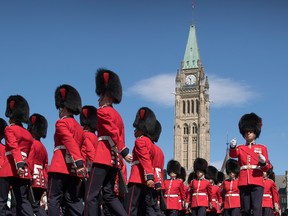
point(192, 56)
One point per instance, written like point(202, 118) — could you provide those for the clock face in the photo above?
point(190, 79)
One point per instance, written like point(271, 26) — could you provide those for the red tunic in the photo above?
point(158, 165)
point(111, 139)
point(250, 170)
point(216, 199)
point(88, 148)
point(40, 165)
point(231, 193)
point(142, 169)
point(200, 192)
point(174, 194)
point(18, 144)
point(68, 139)
point(270, 195)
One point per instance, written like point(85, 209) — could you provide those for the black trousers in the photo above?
point(37, 209)
point(134, 199)
point(64, 188)
point(20, 188)
point(232, 212)
point(251, 200)
point(102, 178)
point(198, 211)
point(267, 211)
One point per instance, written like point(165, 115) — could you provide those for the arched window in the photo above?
point(185, 129)
point(194, 129)
point(188, 106)
point(184, 107)
point(197, 106)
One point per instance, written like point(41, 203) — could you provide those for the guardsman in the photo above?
point(182, 177)
point(15, 170)
point(6, 207)
point(67, 165)
point(110, 144)
point(38, 128)
point(200, 189)
point(270, 200)
point(230, 189)
point(141, 179)
point(253, 160)
point(174, 189)
point(216, 198)
point(88, 120)
point(158, 167)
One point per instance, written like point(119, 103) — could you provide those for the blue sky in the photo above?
point(243, 47)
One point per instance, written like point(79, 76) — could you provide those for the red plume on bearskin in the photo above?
point(38, 125)
point(232, 166)
point(146, 121)
point(200, 164)
point(67, 96)
point(250, 122)
point(88, 117)
point(174, 166)
point(17, 108)
point(108, 82)
point(3, 124)
point(211, 173)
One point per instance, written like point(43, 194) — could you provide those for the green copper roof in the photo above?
point(192, 55)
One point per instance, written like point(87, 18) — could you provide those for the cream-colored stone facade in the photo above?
point(192, 112)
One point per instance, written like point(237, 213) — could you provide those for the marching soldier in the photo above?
point(158, 167)
point(270, 200)
point(38, 128)
point(67, 165)
point(174, 189)
point(182, 177)
point(253, 160)
point(110, 144)
point(200, 189)
point(230, 189)
point(88, 120)
point(216, 198)
point(15, 170)
point(141, 181)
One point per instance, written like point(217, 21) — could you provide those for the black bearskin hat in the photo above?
point(220, 177)
point(250, 122)
point(67, 96)
point(108, 82)
point(157, 132)
point(17, 108)
point(3, 124)
point(37, 126)
point(88, 116)
point(200, 164)
point(145, 121)
point(271, 174)
point(174, 166)
point(191, 176)
point(212, 173)
point(182, 174)
point(232, 166)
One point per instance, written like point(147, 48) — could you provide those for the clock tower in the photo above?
point(192, 108)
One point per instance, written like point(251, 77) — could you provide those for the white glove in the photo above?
point(186, 205)
point(261, 158)
point(233, 143)
point(276, 207)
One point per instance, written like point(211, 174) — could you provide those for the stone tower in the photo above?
point(192, 107)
